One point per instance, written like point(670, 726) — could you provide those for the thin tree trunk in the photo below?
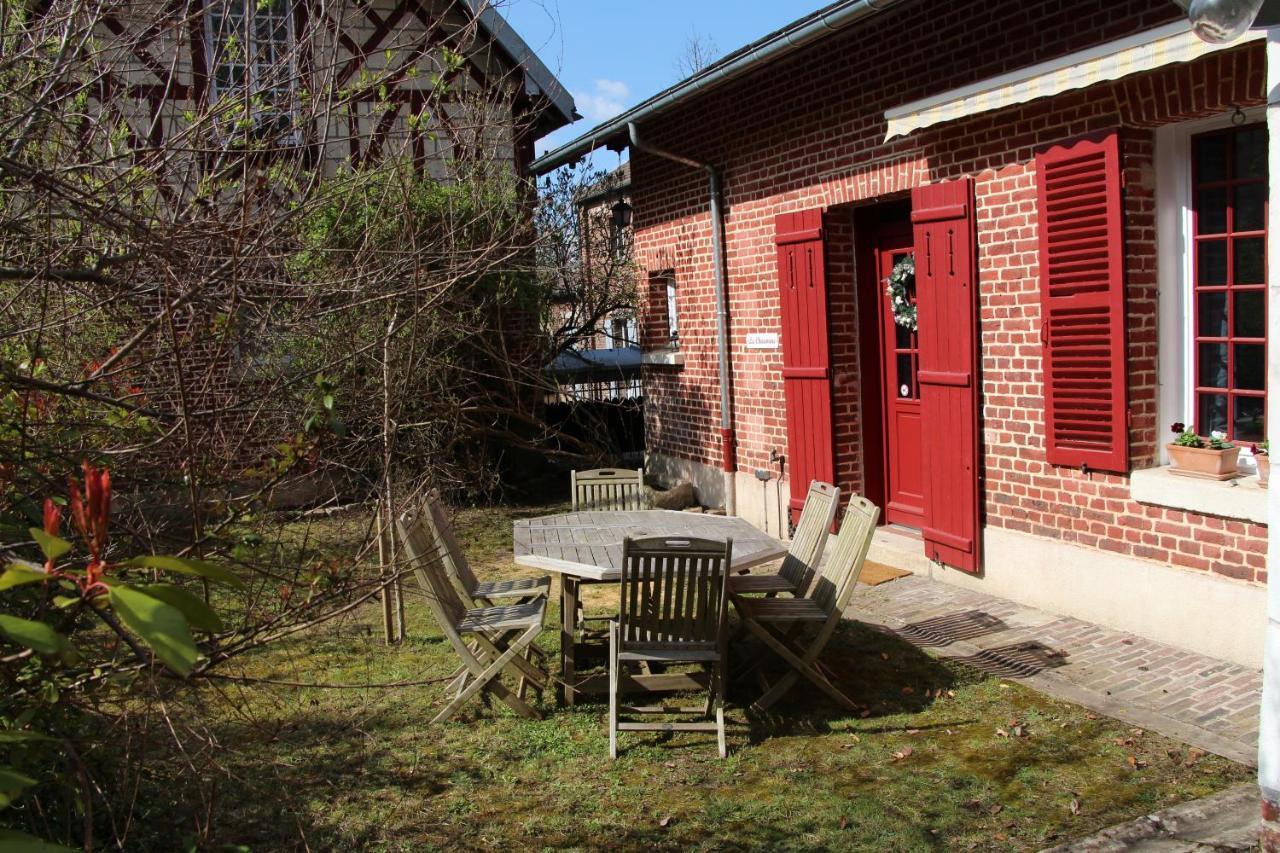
point(392, 598)
point(384, 569)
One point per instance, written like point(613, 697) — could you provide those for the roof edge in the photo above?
point(834, 18)
point(539, 81)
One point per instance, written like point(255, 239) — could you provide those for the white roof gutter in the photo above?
point(794, 36)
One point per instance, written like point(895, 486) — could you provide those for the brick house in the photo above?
point(1082, 187)
point(592, 310)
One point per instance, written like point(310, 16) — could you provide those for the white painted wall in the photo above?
point(1269, 739)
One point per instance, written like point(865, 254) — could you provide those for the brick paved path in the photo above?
point(1196, 699)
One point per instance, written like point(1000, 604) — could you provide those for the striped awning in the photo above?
point(1162, 46)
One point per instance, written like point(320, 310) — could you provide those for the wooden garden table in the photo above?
point(586, 547)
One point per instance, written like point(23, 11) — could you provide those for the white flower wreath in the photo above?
point(899, 285)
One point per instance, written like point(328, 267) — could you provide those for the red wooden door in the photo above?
point(946, 294)
point(900, 364)
point(806, 363)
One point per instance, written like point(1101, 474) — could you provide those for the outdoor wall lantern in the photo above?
point(621, 216)
point(1221, 21)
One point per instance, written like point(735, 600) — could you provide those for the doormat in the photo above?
point(874, 574)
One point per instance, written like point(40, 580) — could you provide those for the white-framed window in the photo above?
point(250, 50)
point(1211, 194)
point(622, 331)
point(673, 313)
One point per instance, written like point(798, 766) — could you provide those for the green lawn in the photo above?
point(935, 760)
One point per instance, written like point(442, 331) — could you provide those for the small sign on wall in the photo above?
point(762, 340)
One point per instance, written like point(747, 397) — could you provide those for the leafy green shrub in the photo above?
point(60, 621)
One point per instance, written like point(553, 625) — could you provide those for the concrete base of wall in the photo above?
point(763, 504)
point(708, 481)
point(1211, 615)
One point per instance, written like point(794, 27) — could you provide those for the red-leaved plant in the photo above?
point(90, 518)
point(160, 615)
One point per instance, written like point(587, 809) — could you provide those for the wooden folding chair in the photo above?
point(801, 563)
point(672, 609)
point(454, 560)
point(500, 637)
point(773, 619)
point(607, 489)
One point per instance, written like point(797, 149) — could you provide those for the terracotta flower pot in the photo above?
point(1264, 468)
point(1204, 462)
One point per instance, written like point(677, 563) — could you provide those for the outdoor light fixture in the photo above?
point(1222, 21)
point(621, 216)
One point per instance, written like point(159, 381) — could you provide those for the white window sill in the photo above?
point(667, 358)
point(1241, 498)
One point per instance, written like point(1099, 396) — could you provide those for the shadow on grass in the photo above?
point(881, 673)
point(315, 760)
point(354, 773)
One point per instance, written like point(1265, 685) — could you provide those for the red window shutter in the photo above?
point(806, 354)
point(945, 232)
point(1082, 304)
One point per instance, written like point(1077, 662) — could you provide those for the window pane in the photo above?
point(1212, 412)
point(1211, 158)
point(1211, 211)
point(1251, 314)
point(906, 378)
point(1212, 322)
point(1250, 207)
point(902, 336)
point(1249, 418)
point(1213, 366)
point(1212, 263)
point(1251, 153)
point(230, 76)
point(1251, 367)
point(1250, 266)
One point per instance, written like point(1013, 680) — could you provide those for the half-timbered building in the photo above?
point(431, 80)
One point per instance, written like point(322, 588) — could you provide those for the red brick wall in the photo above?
point(808, 132)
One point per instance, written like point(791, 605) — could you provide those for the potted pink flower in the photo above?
point(1212, 458)
point(1262, 455)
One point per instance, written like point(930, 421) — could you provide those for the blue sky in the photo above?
point(612, 54)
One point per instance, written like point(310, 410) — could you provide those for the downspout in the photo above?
point(728, 460)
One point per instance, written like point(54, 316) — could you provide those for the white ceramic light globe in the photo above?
point(1222, 21)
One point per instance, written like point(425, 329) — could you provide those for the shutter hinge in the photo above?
point(1128, 418)
point(1124, 179)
